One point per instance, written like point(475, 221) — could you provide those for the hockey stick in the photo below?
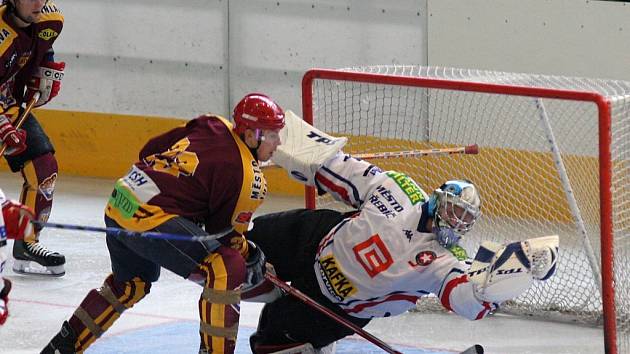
point(476, 349)
point(145, 234)
point(466, 150)
point(18, 122)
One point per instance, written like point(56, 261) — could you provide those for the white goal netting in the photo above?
point(539, 170)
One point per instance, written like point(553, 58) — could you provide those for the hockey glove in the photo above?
point(17, 220)
point(14, 139)
point(47, 80)
point(256, 287)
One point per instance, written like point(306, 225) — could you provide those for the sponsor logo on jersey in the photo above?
point(123, 200)
point(408, 186)
point(373, 255)
point(423, 259)
point(141, 184)
point(4, 34)
point(387, 194)
point(259, 185)
point(47, 34)
point(336, 282)
point(408, 234)
point(47, 187)
point(376, 201)
point(244, 217)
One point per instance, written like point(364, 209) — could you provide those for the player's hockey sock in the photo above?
point(101, 307)
point(219, 309)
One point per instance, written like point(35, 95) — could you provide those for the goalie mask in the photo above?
point(455, 207)
point(257, 111)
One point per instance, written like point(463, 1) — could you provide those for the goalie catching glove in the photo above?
point(503, 272)
point(304, 148)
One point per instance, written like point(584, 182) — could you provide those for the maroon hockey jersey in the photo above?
point(22, 50)
point(201, 171)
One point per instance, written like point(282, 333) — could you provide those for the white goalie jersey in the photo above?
point(377, 263)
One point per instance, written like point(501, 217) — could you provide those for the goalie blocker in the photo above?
point(304, 148)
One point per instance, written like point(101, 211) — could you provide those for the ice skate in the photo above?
point(31, 258)
point(62, 342)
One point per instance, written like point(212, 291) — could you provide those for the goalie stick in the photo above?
point(18, 122)
point(465, 150)
point(146, 234)
point(475, 349)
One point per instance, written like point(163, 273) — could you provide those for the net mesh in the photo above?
point(522, 191)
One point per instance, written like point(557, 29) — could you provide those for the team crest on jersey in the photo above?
point(423, 259)
point(47, 187)
point(336, 282)
point(47, 34)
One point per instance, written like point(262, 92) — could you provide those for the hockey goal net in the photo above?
point(554, 159)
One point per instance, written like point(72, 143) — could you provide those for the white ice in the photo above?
point(39, 305)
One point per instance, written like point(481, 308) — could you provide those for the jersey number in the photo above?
point(373, 255)
point(176, 160)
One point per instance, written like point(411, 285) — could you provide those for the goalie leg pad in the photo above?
point(304, 148)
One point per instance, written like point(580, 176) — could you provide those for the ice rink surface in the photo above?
point(166, 320)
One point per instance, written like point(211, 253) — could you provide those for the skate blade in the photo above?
point(33, 268)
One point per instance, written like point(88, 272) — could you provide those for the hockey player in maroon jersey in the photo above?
point(28, 29)
point(15, 224)
point(205, 173)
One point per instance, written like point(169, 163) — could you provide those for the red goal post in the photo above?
point(388, 108)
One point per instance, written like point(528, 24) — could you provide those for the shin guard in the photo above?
point(219, 308)
point(101, 307)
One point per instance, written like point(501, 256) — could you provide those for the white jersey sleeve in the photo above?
point(377, 263)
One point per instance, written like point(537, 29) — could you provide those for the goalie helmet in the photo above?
point(455, 207)
point(257, 111)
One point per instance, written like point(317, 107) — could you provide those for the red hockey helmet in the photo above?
point(257, 111)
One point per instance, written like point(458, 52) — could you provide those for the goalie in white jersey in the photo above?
point(399, 245)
